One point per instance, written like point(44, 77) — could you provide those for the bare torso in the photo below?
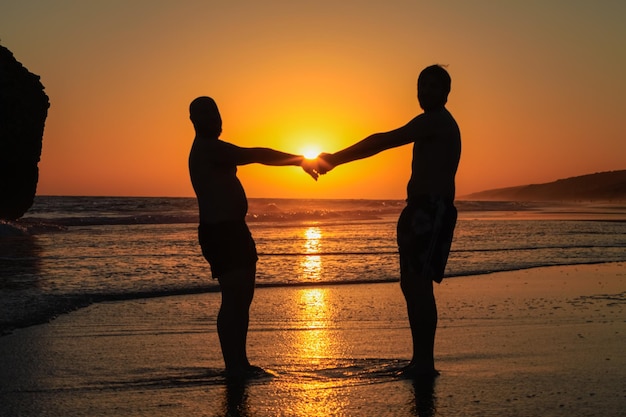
point(436, 156)
point(220, 195)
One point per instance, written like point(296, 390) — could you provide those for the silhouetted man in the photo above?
point(223, 233)
point(426, 225)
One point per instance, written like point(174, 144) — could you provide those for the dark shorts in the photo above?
point(425, 231)
point(227, 246)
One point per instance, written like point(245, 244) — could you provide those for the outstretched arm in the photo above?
point(266, 156)
point(367, 147)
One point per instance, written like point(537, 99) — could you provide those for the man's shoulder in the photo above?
point(431, 125)
point(437, 118)
point(429, 120)
point(213, 155)
point(214, 145)
point(210, 141)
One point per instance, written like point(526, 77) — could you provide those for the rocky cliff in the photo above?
point(23, 111)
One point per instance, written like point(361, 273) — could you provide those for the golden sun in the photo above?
point(310, 152)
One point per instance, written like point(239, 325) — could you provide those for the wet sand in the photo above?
point(546, 341)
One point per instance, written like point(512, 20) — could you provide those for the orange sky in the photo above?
point(538, 88)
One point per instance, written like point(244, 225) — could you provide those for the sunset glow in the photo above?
point(310, 152)
point(311, 77)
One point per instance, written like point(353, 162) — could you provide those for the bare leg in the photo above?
point(233, 318)
point(422, 312)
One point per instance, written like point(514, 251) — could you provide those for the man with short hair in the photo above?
point(426, 225)
point(224, 236)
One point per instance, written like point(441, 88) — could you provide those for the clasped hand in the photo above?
point(318, 166)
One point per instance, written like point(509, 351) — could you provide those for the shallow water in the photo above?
point(80, 250)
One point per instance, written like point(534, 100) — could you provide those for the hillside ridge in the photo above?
point(599, 186)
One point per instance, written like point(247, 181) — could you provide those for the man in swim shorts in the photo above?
point(223, 233)
point(227, 246)
point(426, 225)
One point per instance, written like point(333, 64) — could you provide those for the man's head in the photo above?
point(433, 86)
point(205, 117)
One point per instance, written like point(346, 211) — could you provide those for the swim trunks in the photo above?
point(424, 233)
point(227, 246)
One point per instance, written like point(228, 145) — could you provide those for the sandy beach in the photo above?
point(545, 341)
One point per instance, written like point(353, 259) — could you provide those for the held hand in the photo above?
point(323, 163)
point(310, 167)
point(318, 166)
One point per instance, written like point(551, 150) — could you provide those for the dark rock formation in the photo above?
point(23, 111)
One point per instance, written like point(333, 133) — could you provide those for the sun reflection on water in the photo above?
point(314, 341)
point(311, 263)
point(316, 346)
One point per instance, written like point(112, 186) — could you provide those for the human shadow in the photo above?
point(235, 402)
point(425, 398)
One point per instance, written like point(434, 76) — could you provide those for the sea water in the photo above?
point(69, 252)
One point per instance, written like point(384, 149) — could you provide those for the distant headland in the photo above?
point(601, 186)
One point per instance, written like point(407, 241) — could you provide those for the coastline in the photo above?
point(543, 210)
point(543, 341)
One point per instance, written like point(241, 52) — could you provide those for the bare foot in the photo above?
point(249, 372)
point(413, 371)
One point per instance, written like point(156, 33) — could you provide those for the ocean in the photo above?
point(70, 252)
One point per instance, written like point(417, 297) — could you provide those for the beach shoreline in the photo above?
point(544, 341)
